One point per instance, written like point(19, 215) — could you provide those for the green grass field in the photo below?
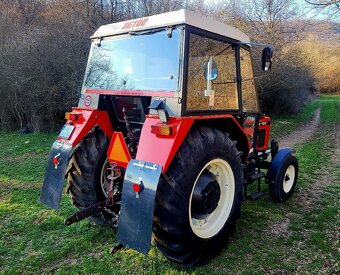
point(298, 236)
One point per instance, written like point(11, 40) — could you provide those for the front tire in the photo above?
point(199, 197)
point(283, 186)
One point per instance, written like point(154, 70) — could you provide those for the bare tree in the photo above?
point(267, 20)
point(44, 46)
point(324, 3)
point(330, 7)
point(29, 10)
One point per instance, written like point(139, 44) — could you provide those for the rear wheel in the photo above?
point(87, 174)
point(198, 199)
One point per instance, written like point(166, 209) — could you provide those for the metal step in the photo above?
point(256, 195)
point(255, 177)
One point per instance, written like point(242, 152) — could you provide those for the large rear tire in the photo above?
point(86, 181)
point(199, 197)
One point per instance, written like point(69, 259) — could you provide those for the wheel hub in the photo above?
point(211, 198)
point(206, 195)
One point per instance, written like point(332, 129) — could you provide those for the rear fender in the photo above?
point(228, 124)
point(62, 149)
point(88, 119)
point(161, 149)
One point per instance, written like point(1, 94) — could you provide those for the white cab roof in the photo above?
point(171, 19)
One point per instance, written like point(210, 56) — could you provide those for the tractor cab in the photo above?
point(167, 135)
point(194, 67)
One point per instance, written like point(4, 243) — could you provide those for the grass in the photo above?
point(300, 235)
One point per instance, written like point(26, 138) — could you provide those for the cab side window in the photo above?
point(211, 75)
point(250, 103)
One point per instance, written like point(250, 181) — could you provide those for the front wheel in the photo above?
point(198, 199)
point(282, 188)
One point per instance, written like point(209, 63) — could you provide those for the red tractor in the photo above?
point(167, 136)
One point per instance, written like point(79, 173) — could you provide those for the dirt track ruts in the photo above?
point(302, 134)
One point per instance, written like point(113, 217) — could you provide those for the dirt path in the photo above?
point(302, 134)
point(308, 197)
point(327, 175)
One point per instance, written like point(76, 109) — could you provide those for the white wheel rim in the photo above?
point(104, 183)
point(288, 179)
point(212, 223)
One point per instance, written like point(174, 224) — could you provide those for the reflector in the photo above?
point(161, 129)
point(136, 187)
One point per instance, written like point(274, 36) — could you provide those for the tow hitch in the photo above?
point(85, 213)
point(93, 210)
point(106, 205)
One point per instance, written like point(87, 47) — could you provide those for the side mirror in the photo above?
point(210, 69)
point(267, 58)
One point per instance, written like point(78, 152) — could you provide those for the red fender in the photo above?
point(86, 120)
point(161, 149)
point(83, 121)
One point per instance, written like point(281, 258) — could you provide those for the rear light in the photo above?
point(162, 129)
point(73, 116)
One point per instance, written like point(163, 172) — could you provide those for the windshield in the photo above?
point(146, 61)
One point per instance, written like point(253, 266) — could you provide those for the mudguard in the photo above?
point(277, 163)
point(55, 174)
point(161, 149)
point(137, 205)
